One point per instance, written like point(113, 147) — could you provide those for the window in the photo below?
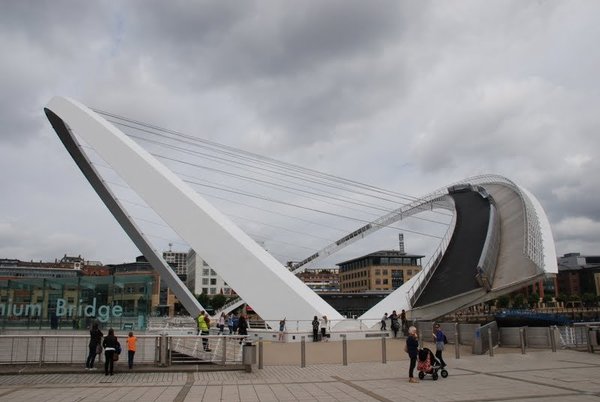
point(385, 281)
point(378, 281)
point(213, 281)
point(409, 272)
point(377, 272)
point(213, 291)
point(213, 273)
point(205, 272)
point(385, 271)
point(205, 281)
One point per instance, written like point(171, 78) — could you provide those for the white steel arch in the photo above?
point(271, 290)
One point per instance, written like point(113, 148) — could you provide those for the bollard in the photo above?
point(42, 349)
point(552, 330)
point(490, 342)
point(383, 350)
point(456, 342)
point(522, 339)
point(302, 351)
point(163, 350)
point(248, 356)
point(260, 353)
point(344, 350)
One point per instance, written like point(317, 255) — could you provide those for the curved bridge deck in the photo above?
point(455, 273)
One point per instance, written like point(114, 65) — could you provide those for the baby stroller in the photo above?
point(427, 363)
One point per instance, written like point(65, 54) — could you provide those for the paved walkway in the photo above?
point(509, 375)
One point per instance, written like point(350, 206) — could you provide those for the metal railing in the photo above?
point(69, 349)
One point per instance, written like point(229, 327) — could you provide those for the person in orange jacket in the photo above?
point(131, 346)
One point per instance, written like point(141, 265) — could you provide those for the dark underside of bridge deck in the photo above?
point(456, 271)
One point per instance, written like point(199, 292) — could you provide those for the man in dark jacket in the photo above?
point(95, 340)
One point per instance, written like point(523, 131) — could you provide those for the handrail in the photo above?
point(486, 267)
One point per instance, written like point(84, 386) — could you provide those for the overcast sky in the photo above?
point(407, 96)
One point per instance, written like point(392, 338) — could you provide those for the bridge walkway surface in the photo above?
point(455, 273)
point(565, 375)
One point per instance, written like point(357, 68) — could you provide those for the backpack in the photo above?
point(445, 339)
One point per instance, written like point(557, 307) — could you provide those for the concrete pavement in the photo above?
point(509, 375)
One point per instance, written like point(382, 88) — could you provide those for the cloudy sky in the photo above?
point(405, 96)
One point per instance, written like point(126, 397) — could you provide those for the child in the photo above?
point(131, 345)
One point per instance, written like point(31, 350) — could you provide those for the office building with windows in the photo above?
point(201, 278)
point(384, 270)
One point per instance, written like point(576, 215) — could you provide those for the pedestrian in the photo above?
point(281, 329)
point(324, 328)
point(384, 322)
point(440, 339)
point(221, 324)
point(412, 348)
point(403, 321)
point(198, 323)
point(243, 325)
point(204, 329)
point(235, 322)
point(394, 323)
point(112, 349)
point(315, 328)
point(95, 342)
point(230, 323)
point(131, 346)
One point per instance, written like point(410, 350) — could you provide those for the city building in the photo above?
point(201, 278)
point(321, 280)
point(177, 260)
point(60, 295)
point(384, 270)
point(578, 274)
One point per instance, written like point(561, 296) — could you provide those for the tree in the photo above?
point(561, 298)
point(204, 299)
point(503, 301)
point(588, 299)
point(547, 298)
point(218, 301)
point(518, 301)
point(533, 299)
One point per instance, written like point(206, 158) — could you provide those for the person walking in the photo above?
point(230, 324)
point(315, 328)
point(243, 325)
point(281, 330)
point(412, 348)
point(111, 348)
point(221, 324)
point(95, 342)
point(403, 321)
point(394, 323)
point(324, 323)
point(384, 322)
point(131, 346)
point(440, 339)
point(235, 321)
point(203, 327)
